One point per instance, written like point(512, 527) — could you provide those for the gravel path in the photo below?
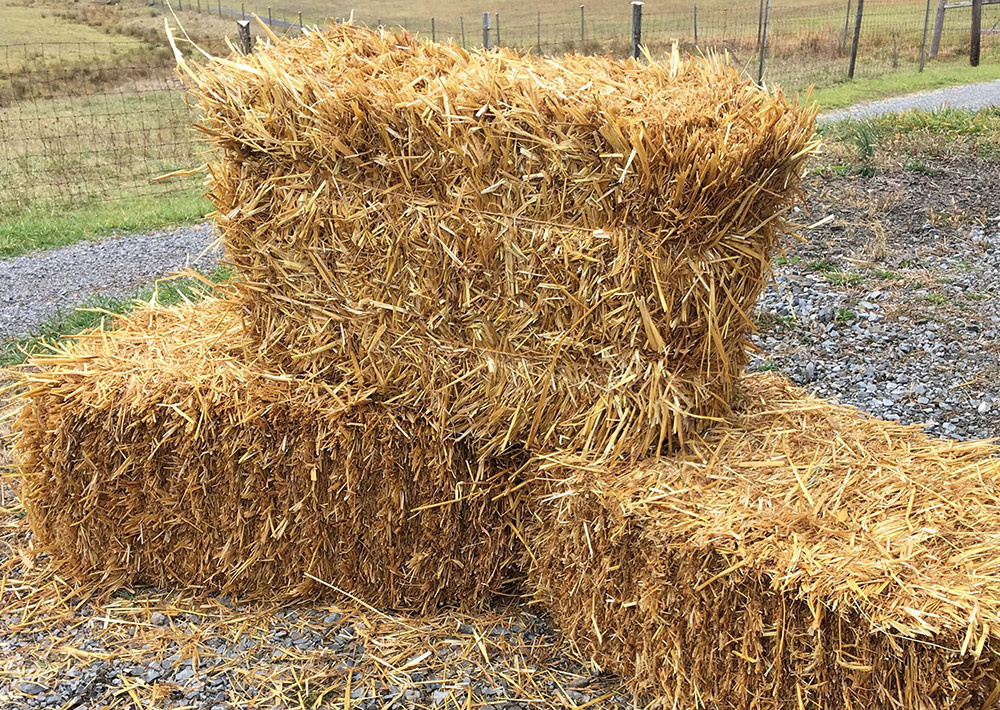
point(35, 287)
point(974, 96)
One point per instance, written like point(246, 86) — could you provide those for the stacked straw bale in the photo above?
point(558, 254)
point(801, 556)
point(161, 454)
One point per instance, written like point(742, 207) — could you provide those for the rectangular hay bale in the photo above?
point(802, 556)
point(162, 453)
point(556, 253)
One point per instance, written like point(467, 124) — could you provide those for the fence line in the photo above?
point(94, 122)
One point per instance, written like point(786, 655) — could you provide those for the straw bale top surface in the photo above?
point(554, 253)
point(835, 507)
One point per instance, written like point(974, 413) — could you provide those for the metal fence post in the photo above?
point(636, 27)
point(760, 24)
point(538, 31)
point(976, 33)
point(696, 25)
point(923, 43)
point(857, 37)
point(763, 41)
point(300, 22)
point(246, 47)
point(243, 11)
point(461, 21)
point(496, 17)
point(433, 34)
point(582, 25)
point(847, 22)
point(486, 30)
point(220, 8)
point(268, 15)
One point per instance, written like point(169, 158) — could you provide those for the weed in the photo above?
point(935, 298)
point(842, 278)
point(821, 265)
point(919, 166)
point(768, 366)
point(886, 275)
point(845, 315)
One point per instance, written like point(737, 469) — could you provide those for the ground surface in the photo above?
point(34, 287)
point(971, 96)
point(892, 305)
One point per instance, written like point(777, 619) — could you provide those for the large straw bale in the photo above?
point(553, 253)
point(801, 556)
point(156, 454)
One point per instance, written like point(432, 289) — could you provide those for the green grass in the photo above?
point(44, 229)
point(842, 278)
point(96, 309)
point(821, 265)
point(935, 76)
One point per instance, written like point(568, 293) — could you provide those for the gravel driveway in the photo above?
point(34, 287)
point(972, 96)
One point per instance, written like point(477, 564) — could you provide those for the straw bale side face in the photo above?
point(556, 253)
point(154, 455)
point(802, 556)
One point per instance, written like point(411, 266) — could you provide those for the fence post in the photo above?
point(977, 32)
point(300, 22)
point(220, 8)
point(923, 44)
point(636, 27)
point(461, 21)
point(763, 41)
point(857, 37)
point(243, 11)
point(496, 17)
point(938, 26)
point(433, 34)
point(760, 24)
point(695, 25)
point(180, 5)
point(538, 30)
point(199, 6)
point(486, 30)
point(246, 47)
point(847, 22)
point(582, 25)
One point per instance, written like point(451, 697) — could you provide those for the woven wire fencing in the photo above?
point(81, 123)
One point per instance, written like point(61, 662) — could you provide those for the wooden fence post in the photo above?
point(246, 47)
point(857, 38)
point(938, 27)
point(636, 27)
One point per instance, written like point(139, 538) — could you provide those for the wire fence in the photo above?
point(93, 122)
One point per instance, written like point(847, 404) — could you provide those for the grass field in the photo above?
point(90, 110)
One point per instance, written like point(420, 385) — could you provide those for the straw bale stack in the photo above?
point(559, 254)
point(801, 556)
point(159, 453)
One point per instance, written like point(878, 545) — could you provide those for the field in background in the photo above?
point(90, 110)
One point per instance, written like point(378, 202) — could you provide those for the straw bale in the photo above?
point(556, 253)
point(802, 555)
point(158, 453)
